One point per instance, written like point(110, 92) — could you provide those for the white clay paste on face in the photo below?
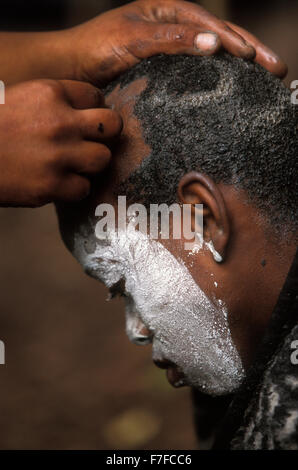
point(188, 329)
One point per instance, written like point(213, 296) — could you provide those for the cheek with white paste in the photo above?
point(188, 329)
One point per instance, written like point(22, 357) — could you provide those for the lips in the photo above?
point(174, 375)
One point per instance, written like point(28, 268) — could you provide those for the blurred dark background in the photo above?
point(72, 379)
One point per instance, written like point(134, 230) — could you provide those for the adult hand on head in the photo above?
point(100, 49)
point(52, 138)
point(118, 39)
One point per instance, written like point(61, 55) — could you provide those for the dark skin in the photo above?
point(116, 40)
point(246, 284)
point(53, 132)
point(51, 156)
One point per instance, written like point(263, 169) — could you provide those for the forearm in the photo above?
point(27, 56)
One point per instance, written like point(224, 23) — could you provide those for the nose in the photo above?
point(137, 332)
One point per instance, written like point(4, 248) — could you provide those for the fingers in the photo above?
point(82, 95)
point(81, 153)
point(94, 124)
point(174, 39)
point(264, 56)
point(99, 124)
point(88, 158)
point(190, 13)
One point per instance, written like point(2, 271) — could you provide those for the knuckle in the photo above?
point(138, 45)
point(38, 200)
point(97, 162)
point(104, 153)
point(43, 192)
point(51, 89)
point(45, 89)
point(82, 189)
point(111, 122)
point(97, 95)
point(102, 159)
point(51, 188)
point(175, 34)
point(59, 126)
point(53, 130)
point(52, 161)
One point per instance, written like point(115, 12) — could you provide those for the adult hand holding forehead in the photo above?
point(118, 39)
point(52, 134)
point(54, 142)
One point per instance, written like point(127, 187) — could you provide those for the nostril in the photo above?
point(144, 331)
point(137, 332)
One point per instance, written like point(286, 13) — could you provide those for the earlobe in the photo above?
point(198, 188)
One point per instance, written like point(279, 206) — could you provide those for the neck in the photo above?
point(272, 261)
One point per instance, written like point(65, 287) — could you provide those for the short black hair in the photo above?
point(223, 116)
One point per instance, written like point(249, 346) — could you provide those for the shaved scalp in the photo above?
point(223, 116)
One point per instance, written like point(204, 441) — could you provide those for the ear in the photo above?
point(198, 188)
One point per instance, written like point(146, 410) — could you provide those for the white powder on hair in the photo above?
point(187, 328)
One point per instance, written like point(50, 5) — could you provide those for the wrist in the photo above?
point(29, 56)
point(55, 52)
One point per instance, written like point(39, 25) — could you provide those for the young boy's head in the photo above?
point(215, 131)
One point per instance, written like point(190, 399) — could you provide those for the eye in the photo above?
point(118, 289)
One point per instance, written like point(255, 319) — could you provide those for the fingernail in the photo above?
point(274, 63)
point(205, 41)
point(270, 55)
